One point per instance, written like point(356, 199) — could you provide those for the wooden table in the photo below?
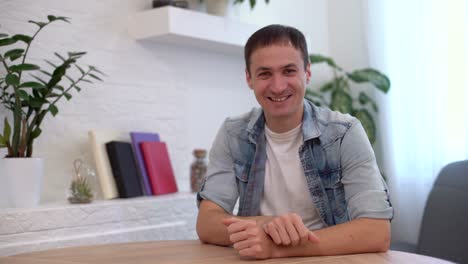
point(190, 251)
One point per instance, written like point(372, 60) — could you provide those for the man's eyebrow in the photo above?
point(262, 69)
point(290, 65)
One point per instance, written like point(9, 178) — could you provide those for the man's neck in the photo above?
point(282, 125)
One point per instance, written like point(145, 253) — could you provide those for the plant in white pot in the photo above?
point(30, 93)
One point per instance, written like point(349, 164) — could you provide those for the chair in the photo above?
point(444, 227)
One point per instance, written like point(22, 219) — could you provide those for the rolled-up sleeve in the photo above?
point(220, 184)
point(366, 192)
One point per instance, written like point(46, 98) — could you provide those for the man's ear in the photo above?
point(308, 73)
point(248, 78)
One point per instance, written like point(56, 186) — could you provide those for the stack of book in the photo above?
point(131, 166)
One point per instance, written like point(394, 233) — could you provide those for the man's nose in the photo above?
point(278, 84)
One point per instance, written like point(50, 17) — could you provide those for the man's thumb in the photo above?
point(313, 237)
point(230, 220)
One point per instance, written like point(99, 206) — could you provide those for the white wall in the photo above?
point(182, 93)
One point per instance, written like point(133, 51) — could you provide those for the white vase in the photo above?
point(20, 182)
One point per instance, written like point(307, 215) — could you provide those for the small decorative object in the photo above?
point(198, 169)
point(176, 3)
point(80, 188)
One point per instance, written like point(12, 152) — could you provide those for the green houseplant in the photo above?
point(30, 93)
point(31, 97)
point(341, 93)
point(251, 2)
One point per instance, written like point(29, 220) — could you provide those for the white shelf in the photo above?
point(189, 28)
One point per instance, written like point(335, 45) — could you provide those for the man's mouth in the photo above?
point(279, 99)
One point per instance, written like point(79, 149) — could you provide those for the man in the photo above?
point(306, 177)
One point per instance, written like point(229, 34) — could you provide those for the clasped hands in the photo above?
point(259, 240)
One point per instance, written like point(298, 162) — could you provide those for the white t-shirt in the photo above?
point(285, 189)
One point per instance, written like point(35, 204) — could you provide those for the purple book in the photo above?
point(138, 137)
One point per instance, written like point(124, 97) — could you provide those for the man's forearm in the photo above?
point(358, 236)
point(210, 228)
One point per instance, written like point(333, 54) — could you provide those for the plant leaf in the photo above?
point(76, 54)
point(51, 18)
point(39, 24)
point(24, 67)
point(317, 58)
point(312, 93)
point(34, 85)
point(12, 79)
point(59, 56)
point(3, 35)
point(80, 69)
point(95, 77)
point(53, 110)
point(14, 54)
point(327, 87)
point(35, 133)
point(378, 79)
point(51, 63)
point(23, 94)
point(39, 79)
point(77, 88)
point(252, 4)
point(341, 101)
point(7, 41)
point(367, 122)
point(68, 96)
point(6, 130)
point(20, 37)
point(93, 68)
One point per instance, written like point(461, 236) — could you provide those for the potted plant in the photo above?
point(30, 93)
point(341, 95)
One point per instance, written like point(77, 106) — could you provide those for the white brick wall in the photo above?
point(166, 217)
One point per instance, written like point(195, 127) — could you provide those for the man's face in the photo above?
point(278, 79)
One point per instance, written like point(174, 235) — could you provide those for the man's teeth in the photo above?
point(278, 99)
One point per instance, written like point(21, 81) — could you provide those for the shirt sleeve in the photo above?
point(366, 192)
point(220, 184)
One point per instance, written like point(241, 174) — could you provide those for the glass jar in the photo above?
point(198, 170)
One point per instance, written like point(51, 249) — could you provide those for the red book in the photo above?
point(158, 167)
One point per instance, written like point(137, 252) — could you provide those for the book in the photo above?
point(97, 140)
point(138, 137)
point(159, 168)
point(124, 169)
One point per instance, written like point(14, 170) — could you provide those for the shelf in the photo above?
point(172, 25)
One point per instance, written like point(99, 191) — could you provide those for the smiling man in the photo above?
point(305, 177)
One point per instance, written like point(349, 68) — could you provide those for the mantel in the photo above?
point(190, 28)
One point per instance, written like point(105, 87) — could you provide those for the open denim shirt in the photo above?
point(339, 165)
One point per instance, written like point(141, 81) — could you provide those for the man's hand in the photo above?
point(288, 229)
point(249, 239)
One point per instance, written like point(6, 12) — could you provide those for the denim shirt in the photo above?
point(339, 164)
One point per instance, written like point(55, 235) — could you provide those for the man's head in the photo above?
point(277, 70)
point(275, 35)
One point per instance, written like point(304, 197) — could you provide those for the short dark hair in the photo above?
point(275, 34)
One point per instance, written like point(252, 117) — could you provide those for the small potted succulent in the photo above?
point(29, 93)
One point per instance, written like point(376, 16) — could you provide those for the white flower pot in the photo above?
point(20, 182)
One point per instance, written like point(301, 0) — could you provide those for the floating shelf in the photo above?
point(179, 26)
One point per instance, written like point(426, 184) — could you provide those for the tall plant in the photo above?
point(337, 94)
point(30, 98)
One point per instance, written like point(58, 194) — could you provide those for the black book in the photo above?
point(124, 169)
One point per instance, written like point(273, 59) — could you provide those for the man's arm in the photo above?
point(361, 235)
point(357, 236)
point(210, 227)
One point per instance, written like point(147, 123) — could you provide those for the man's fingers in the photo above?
point(229, 221)
point(292, 233)
point(313, 237)
point(242, 244)
point(273, 233)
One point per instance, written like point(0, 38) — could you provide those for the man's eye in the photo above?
point(264, 74)
point(290, 71)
